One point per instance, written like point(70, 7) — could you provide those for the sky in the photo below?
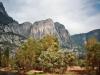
point(78, 16)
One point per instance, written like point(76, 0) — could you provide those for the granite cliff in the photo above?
point(11, 30)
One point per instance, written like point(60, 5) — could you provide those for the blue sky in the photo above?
point(78, 16)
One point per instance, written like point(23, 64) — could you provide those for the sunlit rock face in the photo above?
point(48, 27)
point(42, 28)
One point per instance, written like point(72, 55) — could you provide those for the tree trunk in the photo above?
point(98, 70)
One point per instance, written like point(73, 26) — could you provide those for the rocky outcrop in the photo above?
point(23, 29)
point(12, 31)
point(64, 35)
point(7, 35)
point(42, 28)
point(48, 27)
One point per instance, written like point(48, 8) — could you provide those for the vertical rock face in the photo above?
point(37, 30)
point(48, 27)
point(42, 28)
point(23, 29)
point(64, 35)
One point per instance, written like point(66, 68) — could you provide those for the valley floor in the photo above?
point(75, 70)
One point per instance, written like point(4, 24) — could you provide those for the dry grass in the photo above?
point(75, 70)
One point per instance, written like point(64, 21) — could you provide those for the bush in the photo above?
point(55, 61)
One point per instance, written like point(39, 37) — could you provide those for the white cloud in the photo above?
point(78, 16)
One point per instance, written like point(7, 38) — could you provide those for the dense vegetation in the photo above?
point(46, 55)
point(93, 56)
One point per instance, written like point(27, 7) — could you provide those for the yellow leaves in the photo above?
point(49, 42)
point(91, 42)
